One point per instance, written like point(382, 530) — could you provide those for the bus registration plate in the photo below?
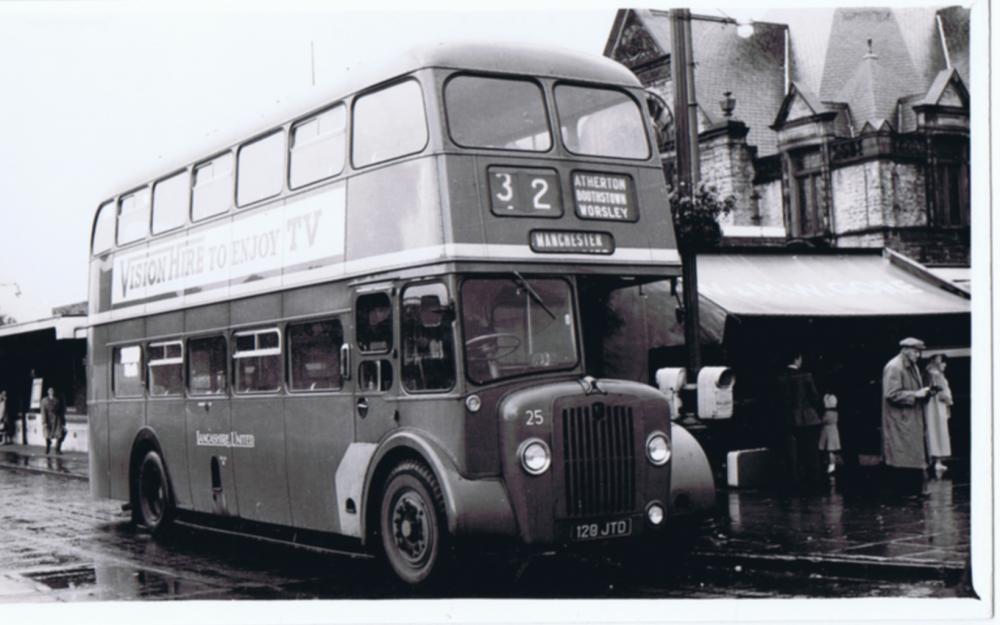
point(596, 530)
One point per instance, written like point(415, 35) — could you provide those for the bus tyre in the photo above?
point(412, 524)
point(153, 506)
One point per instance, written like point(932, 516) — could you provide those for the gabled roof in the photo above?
point(798, 104)
point(874, 89)
point(946, 90)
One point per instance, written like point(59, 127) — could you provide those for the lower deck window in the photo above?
point(166, 363)
point(127, 376)
point(207, 366)
point(314, 356)
point(257, 361)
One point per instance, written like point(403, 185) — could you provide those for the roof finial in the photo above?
point(871, 53)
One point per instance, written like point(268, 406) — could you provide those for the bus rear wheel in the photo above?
point(153, 505)
point(412, 524)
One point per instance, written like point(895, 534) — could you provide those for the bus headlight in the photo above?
point(535, 456)
point(658, 449)
point(654, 513)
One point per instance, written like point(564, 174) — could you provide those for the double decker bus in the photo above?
point(381, 320)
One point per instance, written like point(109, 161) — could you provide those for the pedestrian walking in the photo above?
point(6, 421)
point(829, 436)
point(903, 398)
point(938, 413)
point(54, 421)
point(799, 407)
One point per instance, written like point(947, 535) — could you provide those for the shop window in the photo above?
point(427, 338)
point(261, 169)
point(166, 363)
point(127, 376)
point(207, 366)
point(170, 202)
point(318, 146)
point(389, 123)
point(374, 323)
point(314, 355)
point(213, 187)
point(257, 360)
point(133, 216)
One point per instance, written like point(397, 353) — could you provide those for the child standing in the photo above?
point(829, 436)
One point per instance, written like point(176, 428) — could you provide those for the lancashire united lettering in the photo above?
point(224, 439)
point(299, 232)
point(601, 196)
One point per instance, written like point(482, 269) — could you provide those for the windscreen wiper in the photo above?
point(534, 294)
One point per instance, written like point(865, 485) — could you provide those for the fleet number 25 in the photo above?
point(535, 417)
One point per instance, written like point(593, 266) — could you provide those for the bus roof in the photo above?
point(509, 58)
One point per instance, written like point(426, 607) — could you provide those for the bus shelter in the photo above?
point(44, 353)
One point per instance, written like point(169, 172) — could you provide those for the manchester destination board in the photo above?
point(606, 197)
point(570, 242)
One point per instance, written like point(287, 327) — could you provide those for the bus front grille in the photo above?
point(598, 459)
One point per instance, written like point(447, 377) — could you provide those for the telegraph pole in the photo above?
point(686, 142)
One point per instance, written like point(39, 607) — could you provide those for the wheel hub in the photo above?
point(408, 518)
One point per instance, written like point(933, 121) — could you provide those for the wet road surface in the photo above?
point(63, 546)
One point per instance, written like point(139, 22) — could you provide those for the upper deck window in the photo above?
point(261, 169)
point(213, 187)
point(104, 228)
point(601, 122)
point(133, 216)
point(389, 123)
point(318, 145)
point(170, 202)
point(497, 113)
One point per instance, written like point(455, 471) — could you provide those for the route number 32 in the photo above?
point(540, 186)
point(529, 193)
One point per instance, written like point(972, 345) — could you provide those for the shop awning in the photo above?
point(819, 285)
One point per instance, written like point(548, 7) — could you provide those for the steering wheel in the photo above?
point(504, 344)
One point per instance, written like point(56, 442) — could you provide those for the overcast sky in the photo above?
point(96, 96)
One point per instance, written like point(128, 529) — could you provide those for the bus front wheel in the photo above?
point(412, 523)
point(153, 504)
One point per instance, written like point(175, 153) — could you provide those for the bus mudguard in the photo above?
point(473, 507)
point(692, 486)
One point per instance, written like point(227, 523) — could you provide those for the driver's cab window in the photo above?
point(427, 338)
point(374, 323)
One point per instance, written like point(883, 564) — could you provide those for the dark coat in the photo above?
point(797, 399)
point(53, 417)
point(902, 415)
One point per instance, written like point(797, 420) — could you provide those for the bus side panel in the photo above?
point(318, 427)
point(97, 413)
point(318, 430)
point(166, 416)
point(440, 418)
point(403, 200)
point(125, 415)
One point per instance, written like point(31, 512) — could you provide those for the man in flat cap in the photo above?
point(903, 398)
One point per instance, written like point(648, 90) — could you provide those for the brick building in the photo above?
point(834, 128)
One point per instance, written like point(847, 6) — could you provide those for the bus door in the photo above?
point(376, 388)
point(258, 425)
point(210, 462)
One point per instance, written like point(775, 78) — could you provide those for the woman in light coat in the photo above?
point(938, 412)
